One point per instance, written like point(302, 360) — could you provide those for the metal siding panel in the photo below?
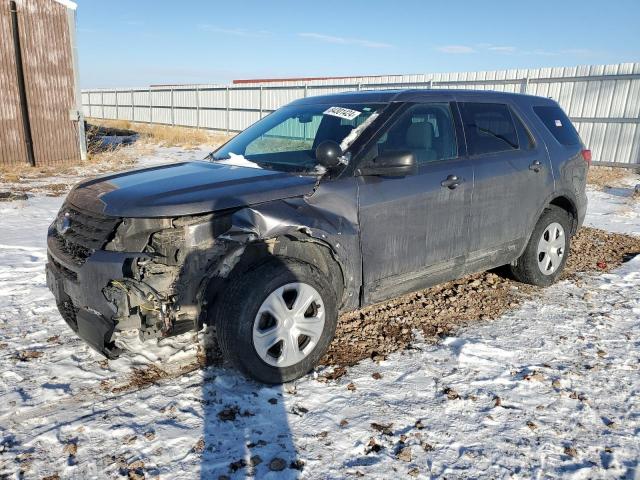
point(625, 143)
point(109, 98)
point(161, 115)
point(580, 98)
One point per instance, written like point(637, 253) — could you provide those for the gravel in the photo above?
point(378, 330)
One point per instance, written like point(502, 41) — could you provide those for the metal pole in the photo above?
point(261, 91)
point(133, 108)
point(228, 113)
point(172, 117)
point(82, 139)
point(197, 107)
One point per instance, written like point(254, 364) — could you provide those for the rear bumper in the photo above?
point(78, 290)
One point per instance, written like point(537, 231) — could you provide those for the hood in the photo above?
point(187, 188)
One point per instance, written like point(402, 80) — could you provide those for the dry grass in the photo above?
point(101, 160)
point(113, 159)
point(603, 177)
point(166, 135)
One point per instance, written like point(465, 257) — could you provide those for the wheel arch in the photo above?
point(294, 245)
point(568, 205)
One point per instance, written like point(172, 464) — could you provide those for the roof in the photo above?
point(67, 3)
point(413, 94)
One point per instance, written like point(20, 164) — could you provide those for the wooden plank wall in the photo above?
point(49, 80)
point(12, 147)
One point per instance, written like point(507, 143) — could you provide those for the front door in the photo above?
point(413, 228)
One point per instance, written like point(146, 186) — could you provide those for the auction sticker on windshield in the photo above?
point(341, 112)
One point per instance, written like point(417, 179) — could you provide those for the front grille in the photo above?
point(70, 274)
point(85, 232)
point(69, 313)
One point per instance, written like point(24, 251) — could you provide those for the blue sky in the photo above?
point(137, 43)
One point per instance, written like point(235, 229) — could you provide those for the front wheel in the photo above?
point(546, 253)
point(275, 322)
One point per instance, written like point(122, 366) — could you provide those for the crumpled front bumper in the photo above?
point(78, 290)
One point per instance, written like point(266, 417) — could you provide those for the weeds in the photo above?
point(166, 135)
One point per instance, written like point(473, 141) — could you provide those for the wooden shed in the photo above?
point(40, 118)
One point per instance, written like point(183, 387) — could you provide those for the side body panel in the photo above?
point(509, 191)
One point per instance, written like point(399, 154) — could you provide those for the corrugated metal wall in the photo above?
point(602, 100)
point(49, 81)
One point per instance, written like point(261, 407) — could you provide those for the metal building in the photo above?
point(40, 119)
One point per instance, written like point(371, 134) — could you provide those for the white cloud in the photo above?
point(344, 40)
point(502, 49)
point(456, 49)
point(238, 32)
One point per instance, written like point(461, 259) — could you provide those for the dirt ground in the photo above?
point(606, 177)
point(376, 331)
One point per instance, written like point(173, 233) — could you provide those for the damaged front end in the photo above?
point(159, 275)
point(110, 274)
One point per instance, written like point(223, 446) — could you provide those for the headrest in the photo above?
point(420, 135)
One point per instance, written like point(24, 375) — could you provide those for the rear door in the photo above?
point(512, 178)
point(414, 228)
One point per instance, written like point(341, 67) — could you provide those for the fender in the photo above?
point(570, 196)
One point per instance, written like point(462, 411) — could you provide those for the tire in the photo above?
point(538, 265)
point(243, 335)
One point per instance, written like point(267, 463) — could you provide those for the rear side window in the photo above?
point(524, 137)
point(489, 128)
point(558, 124)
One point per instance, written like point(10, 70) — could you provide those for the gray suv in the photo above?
point(326, 205)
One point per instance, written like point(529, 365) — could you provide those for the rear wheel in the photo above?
point(276, 322)
point(546, 253)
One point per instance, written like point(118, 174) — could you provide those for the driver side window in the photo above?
point(427, 130)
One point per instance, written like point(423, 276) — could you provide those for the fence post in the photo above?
point(102, 102)
point(228, 112)
point(173, 121)
point(150, 106)
point(115, 92)
point(261, 101)
point(197, 107)
point(133, 107)
point(525, 85)
point(90, 112)
point(430, 86)
point(306, 90)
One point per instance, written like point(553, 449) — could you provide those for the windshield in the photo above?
point(286, 140)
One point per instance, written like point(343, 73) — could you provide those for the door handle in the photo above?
point(536, 166)
point(451, 182)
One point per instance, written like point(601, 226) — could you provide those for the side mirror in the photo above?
point(328, 154)
point(393, 163)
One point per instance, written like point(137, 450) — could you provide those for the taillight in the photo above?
point(586, 154)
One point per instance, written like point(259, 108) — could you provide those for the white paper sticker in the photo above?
point(558, 123)
point(341, 112)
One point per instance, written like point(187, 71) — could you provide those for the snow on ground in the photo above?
point(615, 209)
point(551, 389)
